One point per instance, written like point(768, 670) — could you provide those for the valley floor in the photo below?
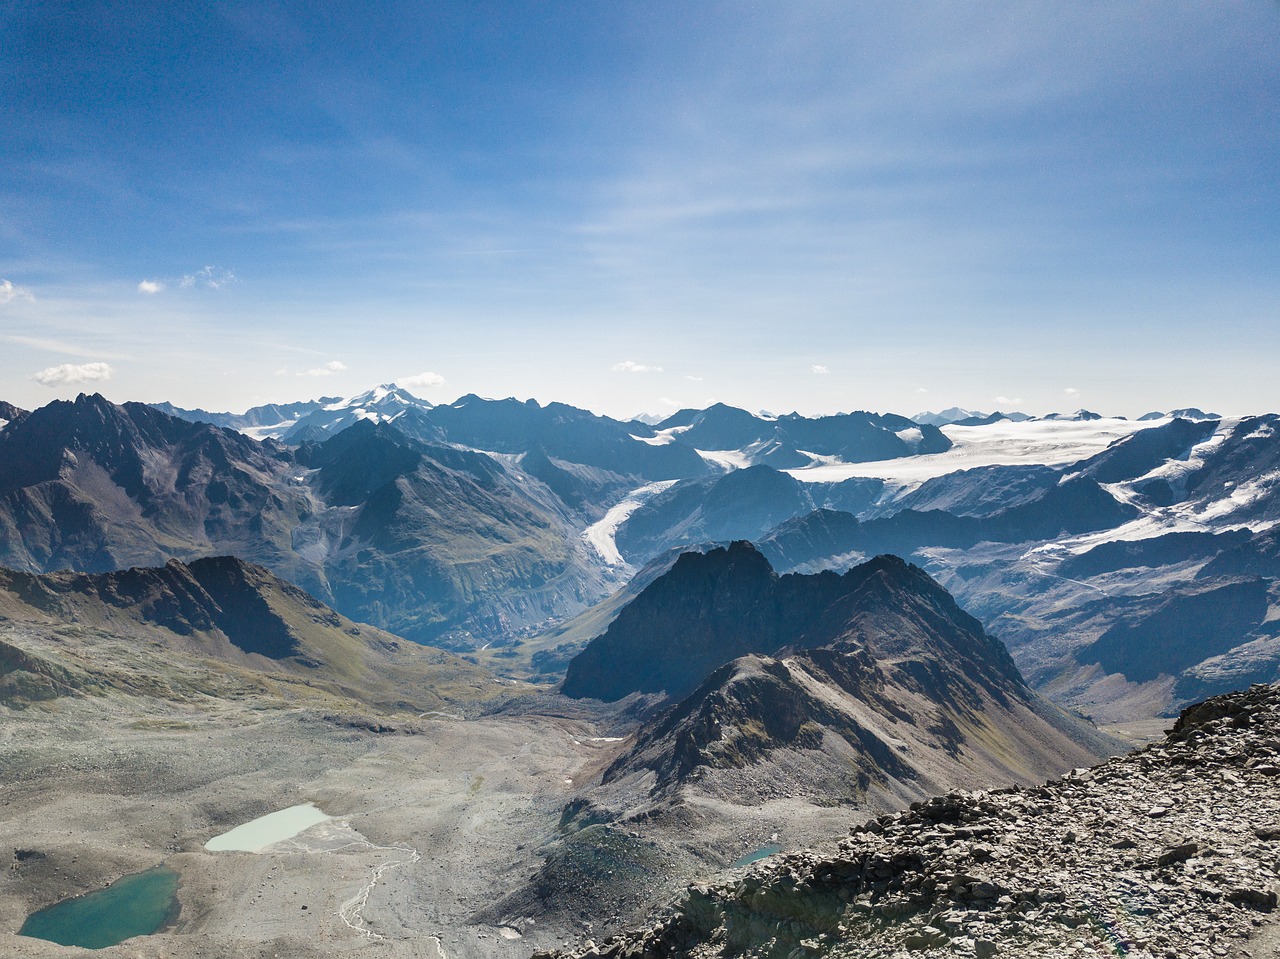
point(434, 823)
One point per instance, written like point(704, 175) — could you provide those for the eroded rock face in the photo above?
point(1170, 851)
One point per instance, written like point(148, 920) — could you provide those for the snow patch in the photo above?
point(727, 460)
point(1176, 471)
point(661, 437)
point(1246, 494)
point(913, 436)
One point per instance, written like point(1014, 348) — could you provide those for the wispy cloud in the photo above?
point(69, 374)
point(10, 292)
point(328, 369)
point(696, 379)
point(1071, 391)
point(425, 380)
point(921, 389)
point(630, 366)
point(210, 278)
point(1008, 401)
point(819, 368)
point(205, 278)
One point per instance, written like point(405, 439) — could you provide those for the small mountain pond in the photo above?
point(764, 852)
point(146, 902)
point(136, 905)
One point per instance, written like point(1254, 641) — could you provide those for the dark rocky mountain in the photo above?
point(9, 413)
point(91, 486)
point(712, 608)
point(1139, 856)
point(742, 504)
point(565, 433)
point(435, 543)
point(1258, 555)
point(854, 437)
point(1140, 453)
point(980, 491)
point(1171, 549)
point(1077, 506)
point(213, 627)
point(980, 420)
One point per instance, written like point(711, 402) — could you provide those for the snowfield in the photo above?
point(1044, 443)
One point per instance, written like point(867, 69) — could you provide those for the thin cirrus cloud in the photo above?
point(630, 366)
point(1071, 391)
point(71, 374)
point(424, 380)
point(819, 369)
point(1008, 401)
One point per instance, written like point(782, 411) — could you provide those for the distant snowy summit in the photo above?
point(296, 422)
point(1189, 413)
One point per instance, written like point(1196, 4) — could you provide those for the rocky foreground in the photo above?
point(1172, 851)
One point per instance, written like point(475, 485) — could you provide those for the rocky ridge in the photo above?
point(1170, 852)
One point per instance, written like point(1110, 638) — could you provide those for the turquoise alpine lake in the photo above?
point(763, 852)
point(135, 905)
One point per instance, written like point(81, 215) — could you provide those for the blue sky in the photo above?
point(633, 207)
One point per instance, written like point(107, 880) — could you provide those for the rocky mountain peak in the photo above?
point(713, 607)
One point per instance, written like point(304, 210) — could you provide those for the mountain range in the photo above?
point(491, 521)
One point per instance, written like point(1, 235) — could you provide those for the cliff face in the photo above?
point(1169, 851)
point(713, 607)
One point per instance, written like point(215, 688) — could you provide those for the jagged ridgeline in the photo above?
point(213, 630)
point(876, 674)
point(432, 542)
point(456, 525)
point(1158, 853)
